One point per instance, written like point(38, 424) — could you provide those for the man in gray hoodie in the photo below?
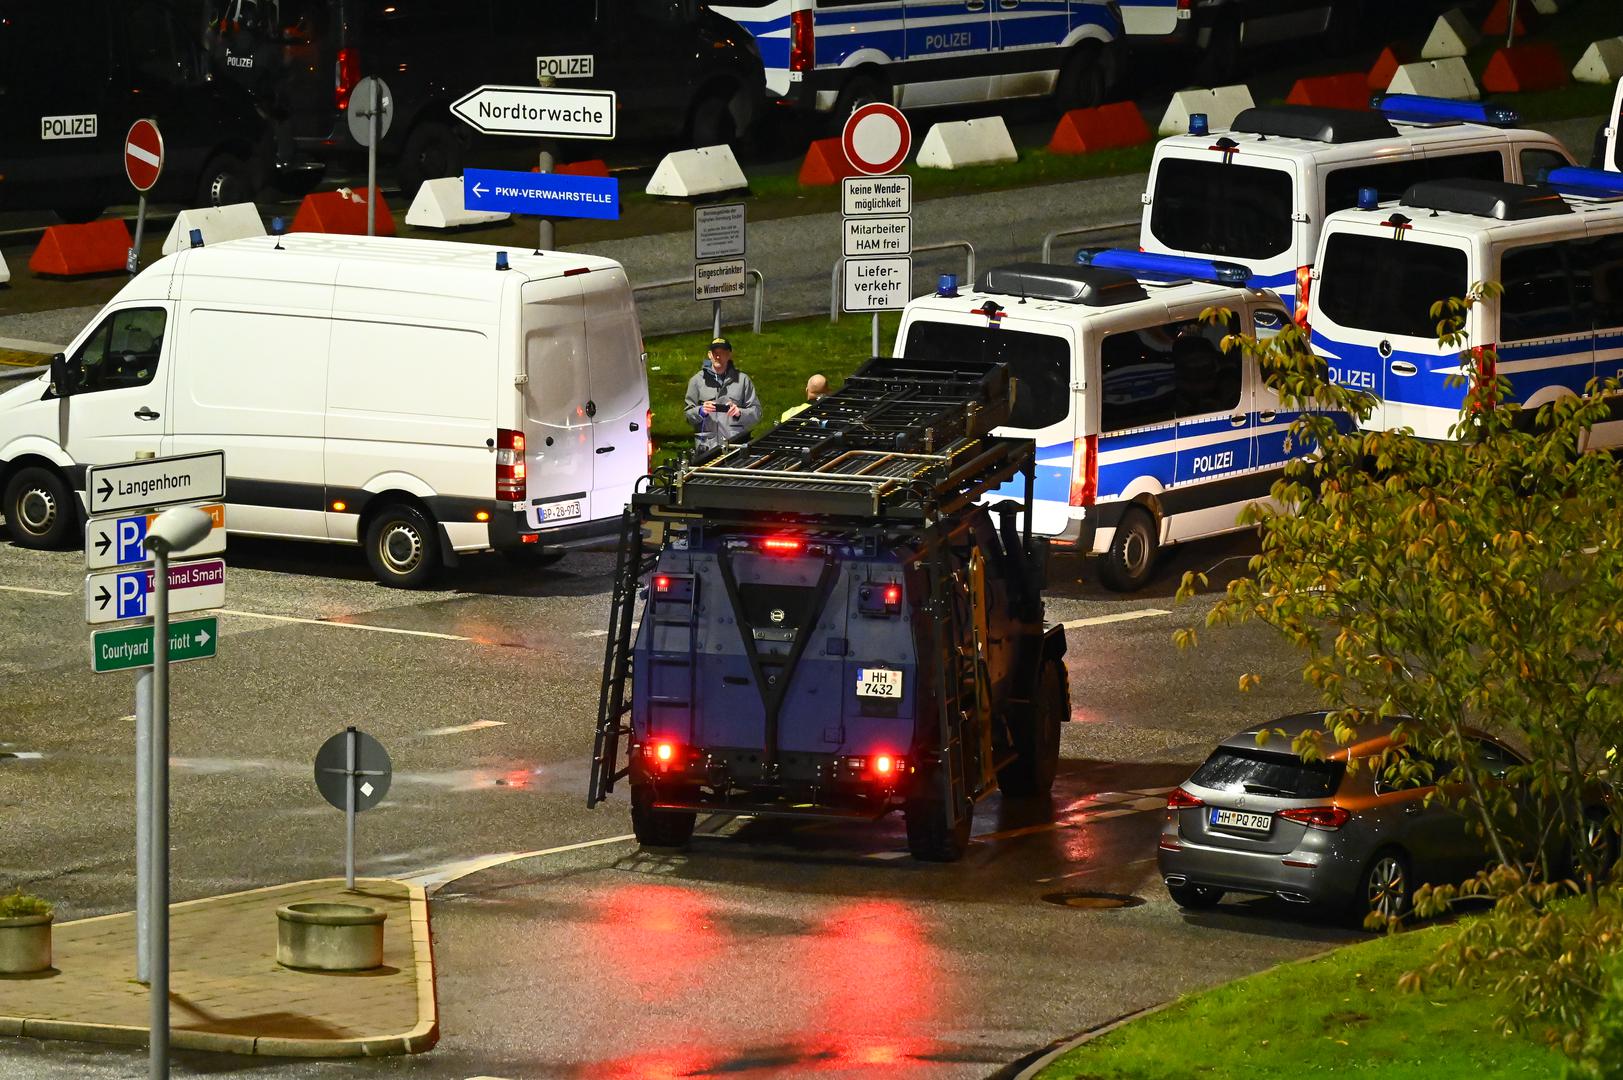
point(721, 401)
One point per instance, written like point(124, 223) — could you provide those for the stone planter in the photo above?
point(329, 937)
point(25, 944)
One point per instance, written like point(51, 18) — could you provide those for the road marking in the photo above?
point(32, 592)
point(592, 633)
point(432, 879)
point(1028, 830)
point(1120, 616)
point(341, 625)
point(477, 725)
point(1094, 870)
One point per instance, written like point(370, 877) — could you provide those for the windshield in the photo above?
point(1386, 285)
point(1253, 772)
point(1232, 211)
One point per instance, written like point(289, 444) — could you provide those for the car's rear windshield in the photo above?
point(1040, 364)
point(1387, 285)
point(1256, 772)
point(1233, 211)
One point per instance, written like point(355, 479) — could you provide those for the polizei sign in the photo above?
point(536, 111)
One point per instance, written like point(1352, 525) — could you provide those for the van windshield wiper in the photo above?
point(1268, 789)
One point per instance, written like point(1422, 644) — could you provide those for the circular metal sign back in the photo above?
point(370, 95)
point(372, 767)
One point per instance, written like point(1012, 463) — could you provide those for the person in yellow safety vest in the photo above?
point(816, 387)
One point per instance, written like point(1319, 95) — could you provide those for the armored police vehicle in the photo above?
point(1149, 431)
point(1259, 192)
point(1558, 251)
point(835, 625)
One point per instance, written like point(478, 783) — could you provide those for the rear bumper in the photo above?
point(509, 530)
point(1326, 881)
point(739, 781)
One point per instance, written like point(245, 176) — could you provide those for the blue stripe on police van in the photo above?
point(1272, 281)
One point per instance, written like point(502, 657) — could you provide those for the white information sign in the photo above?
point(718, 280)
point(127, 594)
point(156, 482)
point(565, 67)
point(538, 111)
point(120, 540)
point(882, 284)
point(862, 196)
point(718, 232)
point(869, 236)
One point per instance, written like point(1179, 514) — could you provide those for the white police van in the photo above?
point(1148, 431)
point(1609, 141)
point(836, 55)
point(1558, 251)
point(1259, 193)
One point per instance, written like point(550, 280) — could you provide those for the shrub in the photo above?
point(20, 905)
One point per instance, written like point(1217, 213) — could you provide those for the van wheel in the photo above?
point(928, 837)
point(1220, 59)
point(40, 509)
point(1032, 772)
point(1081, 83)
point(712, 122)
point(225, 182)
point(431, 151)
point(402, 546)
point(1130, 562)
point(659, 828)
point(858, 91)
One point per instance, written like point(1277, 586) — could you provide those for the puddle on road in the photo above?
point(1086, 900)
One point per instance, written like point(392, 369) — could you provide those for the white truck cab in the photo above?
point(424, 399)
point(1148, 431)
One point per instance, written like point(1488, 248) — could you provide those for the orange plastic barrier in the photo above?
point(337, 212)
point(594, 167)
point(1499, 18)
point(99, 247)
point(1346, 91)
point(1108, 127)
point(1525, 67)
point(1386, 65)
point(825, 164)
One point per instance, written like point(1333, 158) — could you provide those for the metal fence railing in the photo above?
point(1048, 241)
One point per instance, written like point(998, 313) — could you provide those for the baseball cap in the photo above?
point(721, 343)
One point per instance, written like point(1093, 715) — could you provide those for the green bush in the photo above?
point(20, 905)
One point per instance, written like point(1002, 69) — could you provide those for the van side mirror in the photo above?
point(59, 375)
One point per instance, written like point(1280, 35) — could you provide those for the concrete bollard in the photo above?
point(329, 937)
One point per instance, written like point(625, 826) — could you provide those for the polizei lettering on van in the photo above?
point(1357, 380)
point(1210, 463)
point(82, 126)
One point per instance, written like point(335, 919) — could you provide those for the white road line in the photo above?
point(340, 625)
point(592, 633)
point(32, 592)
point(475, 726)
point(435, 877)
point(1120, 616)
point(1094, 870)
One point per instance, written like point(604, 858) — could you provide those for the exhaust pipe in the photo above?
point(1177, 881)
point(1294, 898)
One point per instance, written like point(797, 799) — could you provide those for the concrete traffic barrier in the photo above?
point(958, 144)
point(707, 170)
point(98, 247)
point(1107, 127)
point(217, 224)
point(1602, 62)
point(342, 211)
point(1451, 35)
point(825, 164)
point(1221, 104)
point(1549, 7)
point(1535, 66)
point(439, 205)
point(1386, 65)
point(1345, 91)
point(1448, 78)
point(1498, 20)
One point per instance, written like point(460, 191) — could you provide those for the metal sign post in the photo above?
point(546, 236)
point(371, 110)
point(143, 164)
point(352, 773)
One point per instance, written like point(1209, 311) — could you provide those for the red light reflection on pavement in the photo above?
point(659, 938)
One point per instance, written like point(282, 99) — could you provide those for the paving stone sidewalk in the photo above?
point(227, 992)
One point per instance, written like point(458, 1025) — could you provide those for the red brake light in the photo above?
point(346, 75)
point(893, 595)
point(782, 545)
point(802, 40)
point(883, 764)
point(1084, 471)
point(662, 584)
point(1328, 818)
point(1180, 799)
point(511, 484)
point(664, 751)
point(649, 428)
point(1304, 292)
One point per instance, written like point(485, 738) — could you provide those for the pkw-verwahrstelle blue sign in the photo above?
point(542, 194)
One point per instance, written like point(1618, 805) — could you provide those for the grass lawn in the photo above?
point(779, 359)
point(1336, 1015)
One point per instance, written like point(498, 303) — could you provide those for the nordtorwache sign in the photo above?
point(539, 111)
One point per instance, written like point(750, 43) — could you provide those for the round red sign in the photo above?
point(143, 155)
point(877, 139)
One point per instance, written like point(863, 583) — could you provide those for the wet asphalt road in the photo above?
point(765, 950)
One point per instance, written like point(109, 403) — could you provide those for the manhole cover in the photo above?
point(1091, 901)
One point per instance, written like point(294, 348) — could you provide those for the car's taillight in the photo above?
point(1180, 799)
point(510, 468)
point(1304, 292)
point(346, 74)
point(802, 40)
point(1328, 818)
point(649, 429)
point(1084, 471)
point(1487, 372)
point(782, 545)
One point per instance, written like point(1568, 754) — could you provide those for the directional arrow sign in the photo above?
point(193, 586)
point(539, 111)
point(156, 482)
point(117, 541)
point(544, 194)
point(131, 646)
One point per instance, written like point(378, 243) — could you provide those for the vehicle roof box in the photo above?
point(1093, 286)
point(1314, 123)
point(1487, 198)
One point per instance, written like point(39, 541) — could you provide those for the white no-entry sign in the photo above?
point(877, 139)
point(143, 155)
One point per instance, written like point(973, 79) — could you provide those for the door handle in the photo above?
point(146, 413)
point(605, 450)
point(1237, 421)
point(591, 408)
point(1008, 5)
point(975, 5)
point(1402, 367)
point(1268, 417)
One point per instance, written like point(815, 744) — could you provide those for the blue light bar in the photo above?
point(1419, 109)
point(1198, 124)
point(1154, 267)
point(1595, 183)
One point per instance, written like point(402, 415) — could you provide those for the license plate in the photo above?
point(1239, 819)
point(879, 683)
point(559, 511)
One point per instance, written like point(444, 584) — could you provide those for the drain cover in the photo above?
point(1091, 901)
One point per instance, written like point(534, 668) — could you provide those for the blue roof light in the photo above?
point(1150, 266)
point(1198, 124)
point(1368, 198)
point(947, 285)
point(501, 260)
point(1420, 109)
point(1595, 183)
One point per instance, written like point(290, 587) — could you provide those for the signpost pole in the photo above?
point(143, 824)
point(158, 904)
point(351, 737)
point(373, 106)
point(547, 237)
point(134, 261)
point(715, 318)
point(875, 334)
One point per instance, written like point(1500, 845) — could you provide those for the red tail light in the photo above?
point(884, 764)
point(802, 40)
point(345, 76)
point(1084, 471)
point(1487, 372)
point(782, 545)
point(662, 584)
point(511, 483)
point(649, 428)
point(1182, 800)
point(893, 595)
point(1328, 818)
point(1304, 292)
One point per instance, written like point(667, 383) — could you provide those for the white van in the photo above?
point(1259, 192)
point(424, 399)
point(1148, 431)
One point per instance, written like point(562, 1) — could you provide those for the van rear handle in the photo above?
point(605, 449)
point(1403, 367)
point(145, 413)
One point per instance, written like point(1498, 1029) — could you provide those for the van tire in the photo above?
point(1036, 744)
point(859, 90)
point(40, 509)
point(928, 837)
point(224, 182)
point(1220, 59)
point(402, 546)
point(711, 123)
point(431, 151)
point(1083, 81)
point(1130, 562)
point(659, 828)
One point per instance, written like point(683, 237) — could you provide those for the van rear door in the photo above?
point(618, 381)
point(1234, 204)
point(558, 433)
